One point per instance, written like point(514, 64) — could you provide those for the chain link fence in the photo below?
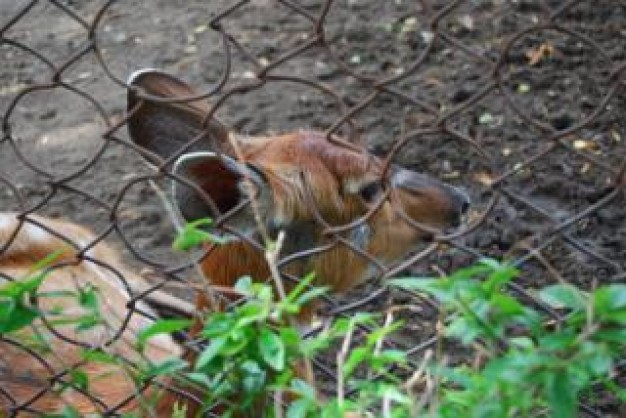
point(519, 102)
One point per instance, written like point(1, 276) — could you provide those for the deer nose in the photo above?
point(461, 203)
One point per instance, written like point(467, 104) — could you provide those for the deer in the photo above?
point(38, 363)
point(296, 184)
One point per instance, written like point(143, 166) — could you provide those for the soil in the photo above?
point(557, 78)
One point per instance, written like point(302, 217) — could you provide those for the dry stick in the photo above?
point(164, 300)
point(161, 297)
point(386, 407)
point(415, 379)
point(386, 403)
point(272, 252)
point(425, 399)
point(253, 202)
point(524, 245)
point(271, 255)
point(341, 359)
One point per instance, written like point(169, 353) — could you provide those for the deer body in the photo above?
point(25, 379)
point(300, 183)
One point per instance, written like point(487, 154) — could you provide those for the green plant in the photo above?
point(254, 349)
point(533, 365)
point(16, 311)
point(527, 362)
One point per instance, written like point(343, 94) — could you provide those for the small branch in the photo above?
point(174, 217)
point(164, 300)
point(341, 359)
point(272, 254)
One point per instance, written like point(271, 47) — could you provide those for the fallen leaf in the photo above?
point(451, 175)
point(15, 88)
point(483, 178)
point(538, 54)
point(616, 136)
point(201, 28)
point(466, 21)
point(486, 119)
point(409, 25)
point(583, 144)
point(585, 168)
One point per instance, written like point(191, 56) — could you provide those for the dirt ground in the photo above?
point(557, 78)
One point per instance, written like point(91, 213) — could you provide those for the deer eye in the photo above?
point(371, 192)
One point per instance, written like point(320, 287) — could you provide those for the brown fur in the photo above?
point(22, 376)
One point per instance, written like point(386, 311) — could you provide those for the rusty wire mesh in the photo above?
point(522, 103)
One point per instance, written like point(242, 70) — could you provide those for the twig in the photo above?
point(164, 300)
point(341, 359)
point(174, 216)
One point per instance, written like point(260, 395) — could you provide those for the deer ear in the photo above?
point(219, 176)
point(164, 128)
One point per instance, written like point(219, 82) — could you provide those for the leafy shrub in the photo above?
point(534, 365)
point(530, 363)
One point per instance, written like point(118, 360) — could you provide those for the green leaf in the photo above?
point(484, 266)
point(272, 349)
point(392, 356)
point(17, 289)
point(356, 357)
point(66, 412)
point(298, 408)
point(291, 338)
point(253, 376)
point(311, 294)
point(16, 317)
point(47, 260)
point(617, 335)
point(200, 379)
point(219, 323)
point(501, 275)
point(250, 313)
point(97, 356)
point(6, 307)
point(610, 303)
point(561, 395)
point(87, 322)
point(600, 362)
point(464, 329)
point(88, 298)
point(166, 368)
point(507, 304)
point(79, 379)
point(210, 352)
point(564, 296)
point(381, 332)
point(522, 343)
point(300, 287)
point(303, 389)
point(425, 284)
point(192, 236)
point(162, 326)
point(244, 285)
point(558, 340)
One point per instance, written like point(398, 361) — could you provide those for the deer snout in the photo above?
point(431, 201)
point(460, 203)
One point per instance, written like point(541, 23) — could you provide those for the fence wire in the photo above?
point(521, 103)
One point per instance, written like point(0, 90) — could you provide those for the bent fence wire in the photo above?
point(521, 103)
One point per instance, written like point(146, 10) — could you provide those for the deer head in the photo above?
point(297, 179)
